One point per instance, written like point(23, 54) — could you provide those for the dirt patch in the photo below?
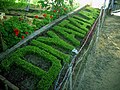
point(102, 69)
point(38, 61)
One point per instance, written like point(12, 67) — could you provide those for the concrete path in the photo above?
point(102, 70)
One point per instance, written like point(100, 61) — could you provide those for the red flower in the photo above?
point(54, 10)
point(45, 15)
point(36, 16)
point(16, 34)
point(16, 31)
point(26, 32)
point(4, 17)
point(51, 17)
point(23, 37)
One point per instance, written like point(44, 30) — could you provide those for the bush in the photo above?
point(63, 23)
point(70, 37)
point(89, 13)
point(70, 31)
point(56, 42)
point(71, 26)
point(83, 19)
point(55, 52)
point(40, 23)
point(14, 30)
point(79, 24)
point(47, 77)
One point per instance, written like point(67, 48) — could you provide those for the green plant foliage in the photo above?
point(55, 52)
point(8, 30)
point(70, 37)
point(83, 19)
point(40, 23)
point(47, 77)
point(56, 8)
point(63, 23)
point(80, 24)
point(70, 31)
point(71, 26)
point(56, 42)
point(84, 24)
point(90, 15)
point(6, 3)
point(55, 47)
point(93, 10)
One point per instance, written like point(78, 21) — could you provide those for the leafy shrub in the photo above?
point(40, 23)
point(83, 19)
point(70, 37)
point(55, 52)
point(70, 31)
point(47, 77)
point(71, 26)
point(14, 30)
point(80, 25)
point(57, 42)
point(89, 13)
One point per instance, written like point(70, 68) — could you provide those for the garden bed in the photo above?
point(53, 50)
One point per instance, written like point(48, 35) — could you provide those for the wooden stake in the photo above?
point(8, 84)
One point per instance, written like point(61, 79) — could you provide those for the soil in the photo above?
point(21, 79)
point(38, 61)
point(102, 68)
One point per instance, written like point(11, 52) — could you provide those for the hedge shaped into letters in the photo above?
point(92, 10)
point(83, 19)
point(60, 55)
point(63, 23)
point(70, 37)
point(47, 77)
point(70, 31)
point(75, 28)
point(83, 26)
point(55, 40)
point(89, 13)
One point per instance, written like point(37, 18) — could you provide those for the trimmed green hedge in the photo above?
point(57, 42)
point(90, 15)
point(93, 10)
point(83, 19)
point(70, 37)
point(55, 52)
point(63, 23)
point(52, 34)
point(47, 77)
point(70, 26)
point(80, 24)
point(70, 31)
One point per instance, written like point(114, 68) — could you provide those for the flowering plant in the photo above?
point(14, 30)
